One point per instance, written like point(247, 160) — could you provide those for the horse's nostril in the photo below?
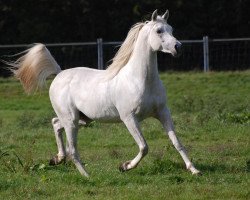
point(177, 47)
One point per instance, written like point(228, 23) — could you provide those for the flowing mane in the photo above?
point(124, 53)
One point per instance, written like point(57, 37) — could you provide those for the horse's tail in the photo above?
point(34, 67)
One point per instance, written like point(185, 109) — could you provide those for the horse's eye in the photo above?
point(159, 31)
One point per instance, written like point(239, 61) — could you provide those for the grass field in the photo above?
point(211, 113)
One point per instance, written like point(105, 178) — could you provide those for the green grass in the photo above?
point(211, 113)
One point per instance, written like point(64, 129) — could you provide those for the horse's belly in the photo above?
point(105, 115)
point(97, 110)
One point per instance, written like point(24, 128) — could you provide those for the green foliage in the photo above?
point(211, 115)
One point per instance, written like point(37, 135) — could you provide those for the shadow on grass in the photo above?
point(223, 168)
point(161, 166)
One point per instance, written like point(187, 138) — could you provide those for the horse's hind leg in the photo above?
point(71, 129)
point(61, 156)
point(82, 122)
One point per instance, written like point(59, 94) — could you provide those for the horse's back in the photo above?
point(83, 73)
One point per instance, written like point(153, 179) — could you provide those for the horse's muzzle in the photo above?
point(178, 49)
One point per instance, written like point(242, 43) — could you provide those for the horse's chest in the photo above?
point(148, 103)
point(143, 100)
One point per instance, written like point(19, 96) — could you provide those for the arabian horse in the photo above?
point(128, 91)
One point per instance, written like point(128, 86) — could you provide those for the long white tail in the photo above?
point(34, 67)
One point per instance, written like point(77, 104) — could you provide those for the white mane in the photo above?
point(124, 53)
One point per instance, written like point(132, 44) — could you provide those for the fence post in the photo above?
point(100, 53)
point(206, 53)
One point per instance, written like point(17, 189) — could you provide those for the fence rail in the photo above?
point(204, 54)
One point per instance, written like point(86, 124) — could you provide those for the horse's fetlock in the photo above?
point(144, 150)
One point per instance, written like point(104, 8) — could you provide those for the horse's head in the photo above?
point(161, 35)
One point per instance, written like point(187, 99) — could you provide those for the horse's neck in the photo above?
point(143, 62)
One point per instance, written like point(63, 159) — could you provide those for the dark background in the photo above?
point(52, 21)
point(66, 21)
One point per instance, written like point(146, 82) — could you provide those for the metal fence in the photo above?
point(201, 55)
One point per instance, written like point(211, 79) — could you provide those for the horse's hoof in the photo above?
point(124, 166)
point(197, 173)
point(56, 160)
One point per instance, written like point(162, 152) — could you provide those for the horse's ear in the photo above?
point(154, 15)
point(165, 15)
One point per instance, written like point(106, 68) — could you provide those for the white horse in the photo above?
point(128, 91)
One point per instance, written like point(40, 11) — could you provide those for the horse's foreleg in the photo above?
point(58, 129)
point(166, 120)
point(134, 129)
point(71, 133)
